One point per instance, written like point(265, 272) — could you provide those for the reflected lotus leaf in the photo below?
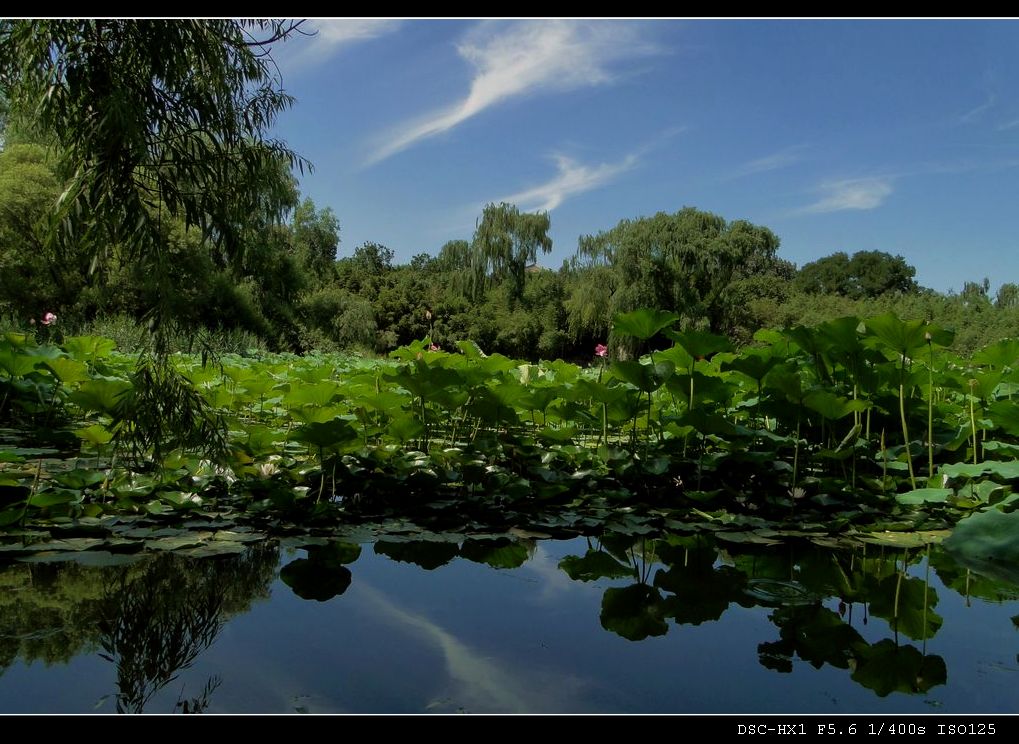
point(908, 606)
point(968, 583)
point(634, 612)
point(318, 581)
point(322, 575)
point(498, 553)
point(886, 668)
point(594, 565)
point(700, 594)
point(429, 555)
point(815, 634)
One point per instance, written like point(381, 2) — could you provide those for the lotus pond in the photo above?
point(830, 512)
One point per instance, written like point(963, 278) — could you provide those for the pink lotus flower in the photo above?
point(601, 350)
point(435, 347)
point(49, 319)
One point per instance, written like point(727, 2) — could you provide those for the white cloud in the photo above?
point(335, 33)
point(572, 178)
point(781, 159)
point(480, 682)
point(523, 58)
point(1008, 125)
point(858, 193)
point(977, 112)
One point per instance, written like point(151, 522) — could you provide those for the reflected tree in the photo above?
point(154, 624)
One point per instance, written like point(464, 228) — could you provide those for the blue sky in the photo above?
point(899, 136)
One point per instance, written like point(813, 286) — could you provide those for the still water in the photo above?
point(511, 624)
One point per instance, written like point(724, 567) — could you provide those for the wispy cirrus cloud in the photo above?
point(332, 34)
point(851, 194)
point(524, 58)
point(781, 159)
point(571, 178)
point(977, 112)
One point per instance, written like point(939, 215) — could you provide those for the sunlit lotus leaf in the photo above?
point(47, 499)
point(15, 363)
point(841, 335)
point(924, 496)
point(645, 377)
point(100, 394)
point(68, 371)
point(642, 324)
point(1004, 353)
point(916, 539)
point(96, 434)
point(902, 336)
point(89, 348)
point(1004, 470)
point(316, 394)
point(700, 344)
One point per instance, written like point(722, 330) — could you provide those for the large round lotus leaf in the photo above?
point(988, 542)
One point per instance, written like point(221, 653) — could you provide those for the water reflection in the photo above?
point(697, 581)
point(868, 614)
point(151, 618)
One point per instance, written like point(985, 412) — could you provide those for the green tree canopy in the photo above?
point(867, 274)
point(505, 242)
point(681, 262)
point(153, 120)
point(315, 238)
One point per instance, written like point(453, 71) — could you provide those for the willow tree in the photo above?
point(154, 121)
point(682, 262)
point(505, 243)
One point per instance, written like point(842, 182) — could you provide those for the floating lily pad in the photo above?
point(97, 558)
point(904, 539)
point(925, 496)
point(213, 549)
point(69, 544)
point(176, 543)
point(746, 538)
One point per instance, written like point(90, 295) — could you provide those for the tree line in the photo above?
point(136, 184)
